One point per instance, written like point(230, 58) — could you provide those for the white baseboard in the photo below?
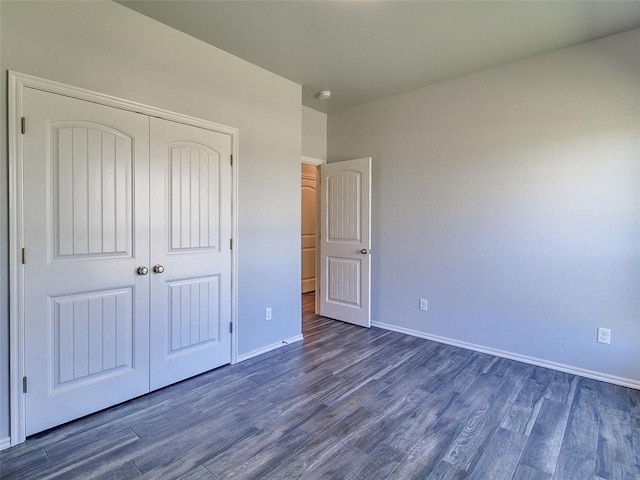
point(5, 443)
point(604, 377)
point(268, 348)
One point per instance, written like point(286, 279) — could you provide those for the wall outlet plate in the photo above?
point(604, 335)
point(267, 313)
point(423, 304)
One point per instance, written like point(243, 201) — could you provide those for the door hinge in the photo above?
point(230, 327)
point(231, 244)
point(24, 255)
point(24, 384)
point(23, 125)
point(231, 159)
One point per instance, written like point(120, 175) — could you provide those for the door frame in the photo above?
point(16, 85)
point(316, 162)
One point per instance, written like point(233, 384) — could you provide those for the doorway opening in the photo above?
point(309, 239)
point(309, 227)
point(310, 214)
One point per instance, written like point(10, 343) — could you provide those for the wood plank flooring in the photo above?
point(353, 403)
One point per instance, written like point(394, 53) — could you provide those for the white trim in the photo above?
point(5, 443)
point(234, 251)
point(17, 83)
point(16, 325)
point(603, 377)
point(268, 348)
point(313, 161)
point(24, 80)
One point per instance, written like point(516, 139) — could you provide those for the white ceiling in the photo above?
point(365, 50)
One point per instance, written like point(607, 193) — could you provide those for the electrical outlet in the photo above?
point(423, 304)
point(267, 313)
point(604, 335)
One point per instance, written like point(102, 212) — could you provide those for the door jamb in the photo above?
point(16, 84)
point(317, 162)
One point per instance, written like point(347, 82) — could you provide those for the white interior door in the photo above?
point(345, 241)
point(86, 310)
point(190, 251)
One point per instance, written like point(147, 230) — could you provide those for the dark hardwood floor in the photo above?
point(353, 403)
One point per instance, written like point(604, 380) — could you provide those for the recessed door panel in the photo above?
point(194, 189)
point(344, 281)
point(194, 313)
point(92, 336)
point(344, 207)
point(91, 190)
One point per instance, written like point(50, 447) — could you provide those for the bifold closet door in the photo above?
point(190, 251)
point(86, 232)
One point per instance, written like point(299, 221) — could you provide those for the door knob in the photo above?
point(142, 270)
point(158, 268)
point(364, 251)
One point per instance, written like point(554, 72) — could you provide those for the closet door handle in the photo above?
point(142, 270)
point(158, 268)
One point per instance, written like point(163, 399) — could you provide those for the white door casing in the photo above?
point(85, 250)
point(345, 241)
point(190, 241)
point(84, 304)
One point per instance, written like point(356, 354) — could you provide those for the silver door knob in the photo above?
point(364, 251)
point(142, 270)
point(158, 268)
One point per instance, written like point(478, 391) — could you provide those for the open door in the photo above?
point(345, 241)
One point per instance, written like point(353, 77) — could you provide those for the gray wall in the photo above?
point(106, 47)
point(314, 133)
point(510, 200)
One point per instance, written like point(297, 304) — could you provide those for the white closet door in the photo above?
point(86, 310)
point(190, 251)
